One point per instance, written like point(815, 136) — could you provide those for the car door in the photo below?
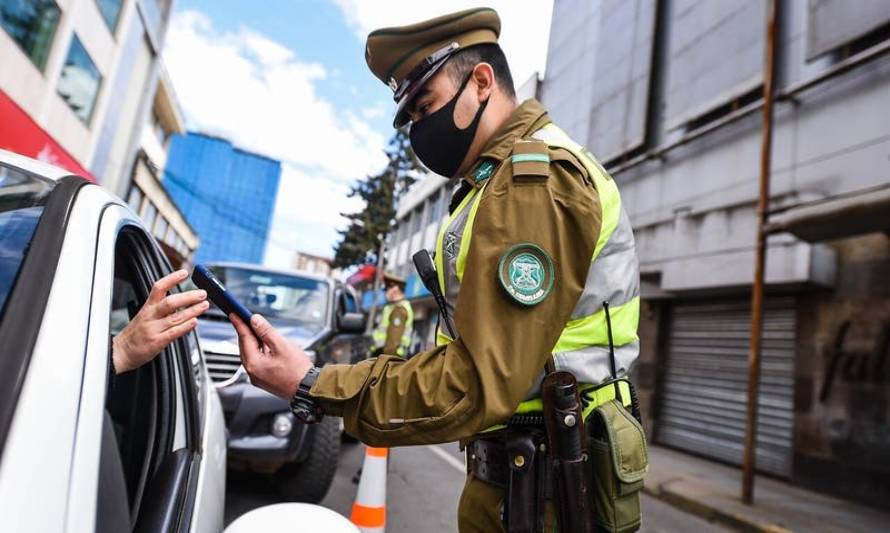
point(146, 424)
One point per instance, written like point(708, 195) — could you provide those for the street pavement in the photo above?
point(423, 487)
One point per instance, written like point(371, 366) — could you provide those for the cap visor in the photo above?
point(402, 117)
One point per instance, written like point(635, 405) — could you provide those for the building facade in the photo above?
point(75, 81)
point(668, 94)
point(418, 218)
point(147, 195)
point(227, 195)
point(317, 264)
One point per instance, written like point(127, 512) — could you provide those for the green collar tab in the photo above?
point(483, 171)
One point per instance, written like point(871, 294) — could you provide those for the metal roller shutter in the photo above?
point(704, 387)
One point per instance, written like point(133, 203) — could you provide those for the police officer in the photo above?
point(535, 243)
point(393, 333)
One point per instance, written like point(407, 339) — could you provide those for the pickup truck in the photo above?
point(320, 314)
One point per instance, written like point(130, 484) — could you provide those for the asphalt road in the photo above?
point(423, 487)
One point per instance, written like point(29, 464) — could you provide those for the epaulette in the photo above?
point(530, 160)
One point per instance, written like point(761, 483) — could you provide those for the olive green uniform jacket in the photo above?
point(455, 391)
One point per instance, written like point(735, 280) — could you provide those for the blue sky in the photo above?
point(317, 32)
point(287, 78)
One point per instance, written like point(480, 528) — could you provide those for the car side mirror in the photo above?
point(352, 322)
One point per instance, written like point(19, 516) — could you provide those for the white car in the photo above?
point(80, 448)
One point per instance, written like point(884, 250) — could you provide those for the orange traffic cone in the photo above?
point(369, 509)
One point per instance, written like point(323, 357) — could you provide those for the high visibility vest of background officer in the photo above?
point(536, 243)
point(393, 334)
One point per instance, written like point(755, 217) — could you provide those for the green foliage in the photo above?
point(361, 239)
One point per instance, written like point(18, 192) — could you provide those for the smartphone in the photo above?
point(216, 291)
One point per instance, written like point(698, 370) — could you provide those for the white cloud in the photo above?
point(525, 24)
point(309, 215)
point(257, 93)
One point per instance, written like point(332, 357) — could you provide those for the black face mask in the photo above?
point(439, 143)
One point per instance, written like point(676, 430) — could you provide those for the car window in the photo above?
point(196, 364)
point(278, 296)
point(22, 197)
point(350, 304)
point(141, 404)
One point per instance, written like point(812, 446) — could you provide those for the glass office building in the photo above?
point(226, 194)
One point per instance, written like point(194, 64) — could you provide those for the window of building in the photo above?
point(111, 11)
point(160, 227)
point(436, 200)
point(32, 26)
point(161, 133)
point(714, 60)
point(149, 213)
point(402, 230)
point(80, 80)
point(417, 219)
point(170, 235)
point(831, 25)
point(135, 199)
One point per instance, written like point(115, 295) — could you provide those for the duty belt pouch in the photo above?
point(618, 462)
point(521, 509)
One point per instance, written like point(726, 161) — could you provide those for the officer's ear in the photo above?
point(483, 75)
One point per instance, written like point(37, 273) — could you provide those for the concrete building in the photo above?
point(419, 216)
point(147, 194)
point(667, 94)
point(317, 264)
point(75, 80)
point(227, 195)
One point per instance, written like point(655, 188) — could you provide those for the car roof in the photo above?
point(261, 268)
point(33, 166)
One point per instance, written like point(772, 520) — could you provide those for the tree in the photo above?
point(368, 228)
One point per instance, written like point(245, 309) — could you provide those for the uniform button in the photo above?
point(519, 461)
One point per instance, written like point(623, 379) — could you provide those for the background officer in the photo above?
point(393, 333)
point(517, 260)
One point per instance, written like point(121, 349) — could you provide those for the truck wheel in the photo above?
point(310, 480)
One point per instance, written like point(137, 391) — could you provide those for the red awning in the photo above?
point(20, 134)
point(365, 274)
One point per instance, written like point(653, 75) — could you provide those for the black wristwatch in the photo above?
point(302, 405)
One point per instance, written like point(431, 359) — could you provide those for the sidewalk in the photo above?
point(712, 490)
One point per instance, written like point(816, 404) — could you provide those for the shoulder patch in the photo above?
point(526, 273)
point(530, 160)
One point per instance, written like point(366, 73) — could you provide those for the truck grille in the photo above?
point(221, 366)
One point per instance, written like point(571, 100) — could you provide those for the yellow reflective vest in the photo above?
point(402, 326)
point(613, 277)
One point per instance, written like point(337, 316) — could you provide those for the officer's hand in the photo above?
point(272, 362)
point(162, 320)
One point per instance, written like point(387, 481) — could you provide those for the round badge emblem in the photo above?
point(526, 273)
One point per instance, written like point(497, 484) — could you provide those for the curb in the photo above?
point(709, 512)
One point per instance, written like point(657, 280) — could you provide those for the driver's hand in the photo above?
point(272, 362)
point(162, 320)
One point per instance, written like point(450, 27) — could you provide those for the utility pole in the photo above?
point(769, 71)
point(378, 280)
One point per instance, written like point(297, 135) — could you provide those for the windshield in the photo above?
point(277, 296)
point(22, 196)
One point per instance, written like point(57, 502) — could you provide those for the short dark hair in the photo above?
point(462, 63)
